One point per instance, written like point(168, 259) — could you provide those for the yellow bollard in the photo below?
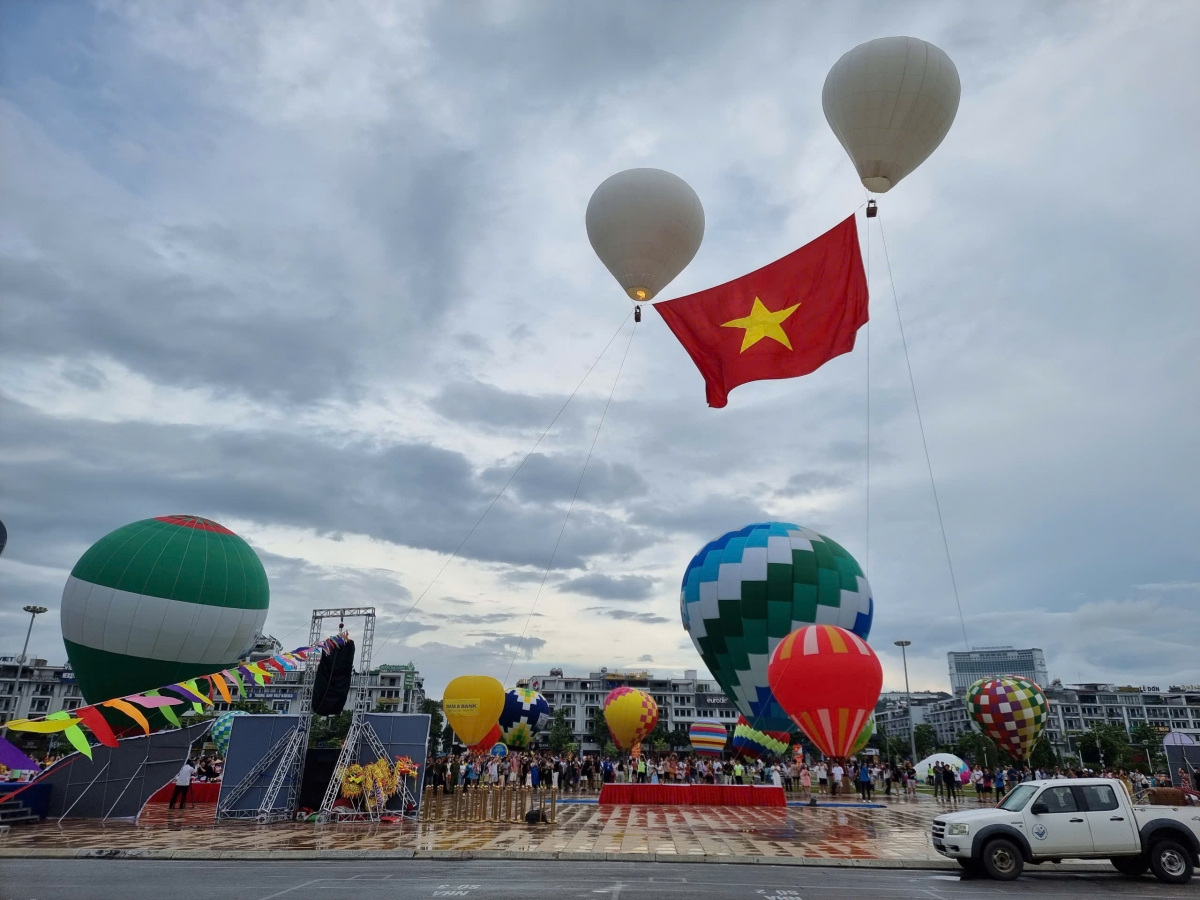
point(553, 804)
point(437, 802)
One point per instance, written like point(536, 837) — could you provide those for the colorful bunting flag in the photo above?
point(166, 711)
point(90, 716)
point(221, 687)
point(130, 710)
point(262, 672)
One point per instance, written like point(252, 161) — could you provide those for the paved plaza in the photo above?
point(897, 832)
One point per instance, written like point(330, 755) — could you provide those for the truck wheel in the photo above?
point(1130, 866)
point(1171, 862)
point(1002, 860)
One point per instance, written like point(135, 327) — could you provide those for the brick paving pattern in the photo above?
point(899, 831)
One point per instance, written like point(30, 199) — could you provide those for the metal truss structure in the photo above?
point(290, 749)
point(360, 733)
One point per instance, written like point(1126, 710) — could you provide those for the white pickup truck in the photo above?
point(1078, 818)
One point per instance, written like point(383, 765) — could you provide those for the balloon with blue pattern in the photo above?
point(221, 728)
point(525, 713)
point(746, 591)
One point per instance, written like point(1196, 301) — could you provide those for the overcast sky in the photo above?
point(319, 271)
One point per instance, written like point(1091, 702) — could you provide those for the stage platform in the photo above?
point(200, 792)
point(691, 795)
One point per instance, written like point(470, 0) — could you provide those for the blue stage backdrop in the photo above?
point(402, 734)
point(249, 740)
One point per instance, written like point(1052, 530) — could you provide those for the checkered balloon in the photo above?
point(222, 726)
point(749, 589)
point(631, 715)
point(525, 713)
point(1009, 710)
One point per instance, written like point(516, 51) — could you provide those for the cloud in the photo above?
point(321, 271)
point(610, 587)
point(625, 615)
point(476, 403)
point(645, 658)
point(551, 479)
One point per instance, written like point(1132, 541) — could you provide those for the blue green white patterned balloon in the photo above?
point(746, 591)
point(222, 726)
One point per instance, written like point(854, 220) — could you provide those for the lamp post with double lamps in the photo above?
point(34, 612)
point(912, 729)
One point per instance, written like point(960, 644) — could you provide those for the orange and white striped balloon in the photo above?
point(827, 679)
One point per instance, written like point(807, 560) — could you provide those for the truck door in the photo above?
point(1111, 825)
point(1059, 828)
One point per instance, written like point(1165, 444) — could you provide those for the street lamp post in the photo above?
point(34, 612)
point(912, 729)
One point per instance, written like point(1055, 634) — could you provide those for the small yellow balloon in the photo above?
point(631, 715)
point(472, 704)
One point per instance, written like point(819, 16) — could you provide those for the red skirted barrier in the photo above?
point(691, 795)
point(200, 792)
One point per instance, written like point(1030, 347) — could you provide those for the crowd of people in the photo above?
point(865, 779)
point(989, 785)
point(581, 773)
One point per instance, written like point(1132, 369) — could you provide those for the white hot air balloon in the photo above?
point(645, 225)
point(890, 102)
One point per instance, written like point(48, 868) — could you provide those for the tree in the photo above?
point(257, 707)
point(561, 736)
point(330, 731)
point(925, 737)
point(893, 748)
point(1147, 752)
point(974, 748)
point(658, 739)
point(600, 729)
point(433, 708)
point(678, 740)
point(1104, 746)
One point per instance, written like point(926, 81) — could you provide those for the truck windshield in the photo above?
point(1020, 795)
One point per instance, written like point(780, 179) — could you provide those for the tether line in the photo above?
point(867, 552)
point(924, 443)
point(499, 493)
point(571, 505)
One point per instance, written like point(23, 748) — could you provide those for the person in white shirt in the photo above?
point(837, 772)
point(183, 781)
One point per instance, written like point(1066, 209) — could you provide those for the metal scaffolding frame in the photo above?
point(290, 749)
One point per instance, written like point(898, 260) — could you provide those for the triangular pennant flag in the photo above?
point(72, 732)
point(237, 679)
point(152, 700)
point(166, 711)
point(191, 685)
point(41, 726)
point(185, 692)
point(130, 710)
point(223, 688)
point(96, 723)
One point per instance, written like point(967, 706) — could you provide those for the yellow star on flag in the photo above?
point(762, 323)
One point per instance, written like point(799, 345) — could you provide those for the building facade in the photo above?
point(44, 689)
point(968, 666)
point(398, 689)
point(1073, 708)
point(681, 701)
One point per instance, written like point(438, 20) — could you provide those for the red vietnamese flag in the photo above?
point(786, 319)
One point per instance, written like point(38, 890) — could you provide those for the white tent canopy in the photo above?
point(928, 762)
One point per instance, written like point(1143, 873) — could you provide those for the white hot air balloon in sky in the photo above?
point(645, 225)
point(890, 102)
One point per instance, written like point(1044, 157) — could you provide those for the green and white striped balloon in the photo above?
point(159, 601)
